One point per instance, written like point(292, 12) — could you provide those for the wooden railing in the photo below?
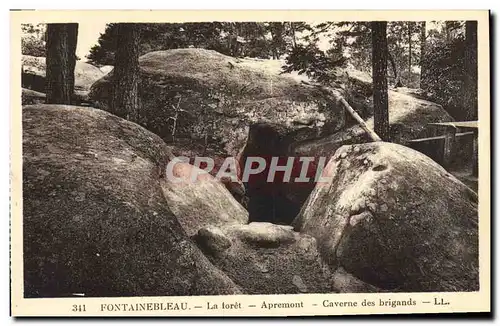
point(450, 135)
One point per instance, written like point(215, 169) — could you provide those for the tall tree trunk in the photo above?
point(379, 73)
point(294, 40)
point(72, 42)
point(422, 56)
point(273, 44)
point(470, 82)
point(410, 32)
point(125, 97)
point(397, 82)
point(276, 30)
point(449, 27)
point(60, 63)
point(234, 40)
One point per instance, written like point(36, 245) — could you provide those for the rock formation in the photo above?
point(214, 98)
point(95, 219)
point(265, 258)
point(395, 219)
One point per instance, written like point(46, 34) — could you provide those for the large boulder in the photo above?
point(95, 219)
point(34, 69)
point(214, 98)
point(395, 219)
point(265, 258)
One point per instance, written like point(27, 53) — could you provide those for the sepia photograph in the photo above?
point(234, 158)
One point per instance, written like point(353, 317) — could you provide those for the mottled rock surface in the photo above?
point(264, 258)
point(95, 219)
point(216, 97)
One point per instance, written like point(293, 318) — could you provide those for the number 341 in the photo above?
point(78, 308)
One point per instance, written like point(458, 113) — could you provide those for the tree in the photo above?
point(252, 40)
point(277, 30)
point(397, 81)
point(60, 62)
point(155, 37)
point(423, 67)
point(313, 62)
point(379, 73)
point(452, 28)
point(445, 67)
point(470, 80)
point(230, 38)
point(125, 97)
point(103, 53)
point(293, 32)
point(448, 25)
point(360, 45)
point(410, 33)
point(402, 51)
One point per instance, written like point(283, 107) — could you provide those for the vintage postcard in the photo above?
point(250, 163)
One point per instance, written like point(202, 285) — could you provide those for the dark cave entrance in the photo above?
point(267, 200)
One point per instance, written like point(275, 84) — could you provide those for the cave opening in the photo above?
point(267, 200)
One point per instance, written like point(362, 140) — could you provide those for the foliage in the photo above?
point(444, 56)
point(316, 64)
point(445, 74)
point(401, 36)
point(154, 37)
point(304, 49)
point(353, 41)
point(356, 38)
point(349, 43)
point(252, 39)
point(33, 39)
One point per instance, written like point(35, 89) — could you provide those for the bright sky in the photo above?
point(88, 33)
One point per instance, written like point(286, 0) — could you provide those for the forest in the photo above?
point(427, 56)
point(387, 109)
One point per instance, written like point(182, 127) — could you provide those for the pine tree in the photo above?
point(410, 33)
point(60, 62)
point(470, 82)
point(125, 97)
point(423, 68)
point(379, 73)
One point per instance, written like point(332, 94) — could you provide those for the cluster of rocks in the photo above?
point(100, 219)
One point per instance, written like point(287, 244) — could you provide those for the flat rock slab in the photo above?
point(264, 258)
